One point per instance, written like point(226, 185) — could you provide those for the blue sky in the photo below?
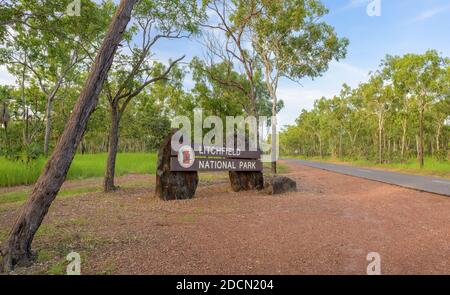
point(404, 26)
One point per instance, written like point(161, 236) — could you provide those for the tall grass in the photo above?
point(16, 173)
point(83, 166)
point(431, 167)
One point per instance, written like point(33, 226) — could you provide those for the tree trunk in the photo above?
point(8, 142)
point(380, 144)
point(404, 125)
point(49, 109)
point(83, 147)
point(340, 143)
point(16, 250)
point(274, 136)
point(25, 108)
point(108, 184)
point(418, 148)
point(271, 86)
point(389, 150)
point(421, 143)
point(431, 148)
point(48, 125)
point(320, 146)
point(438, 135)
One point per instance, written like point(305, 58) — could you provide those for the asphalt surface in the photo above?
point(422, 183)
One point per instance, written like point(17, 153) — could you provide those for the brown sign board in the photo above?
point(224, 152)
point(214, 164)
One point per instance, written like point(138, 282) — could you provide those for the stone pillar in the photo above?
point(173, 185)
point(244, 181)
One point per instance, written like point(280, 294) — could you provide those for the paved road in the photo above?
point(422, 183)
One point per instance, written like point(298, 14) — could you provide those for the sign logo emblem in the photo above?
point(186, 156)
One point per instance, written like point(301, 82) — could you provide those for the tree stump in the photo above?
point(173, 185)
point(244, 181)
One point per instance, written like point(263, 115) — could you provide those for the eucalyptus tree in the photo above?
point(440, 114)
point(219, 99)
point(291, 42)
point(378, 98)
point(5, 96)
point(134, 68)
point(293, 140)
point(214, 97)
point(227, 42)
point(382, 116)
point(317, 127)
point(426, 82)
point(355, 120)
point(5, 117)
point(392, 72)
point(340, 114)
point(44, 45)
point(16, 249)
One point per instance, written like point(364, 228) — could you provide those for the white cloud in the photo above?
point(427, 14)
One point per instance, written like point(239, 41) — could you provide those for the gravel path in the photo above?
point(328, 227)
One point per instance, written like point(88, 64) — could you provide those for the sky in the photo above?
point(403, 26)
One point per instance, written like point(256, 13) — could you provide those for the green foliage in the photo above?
point(21, 195)
point(216, 93)
point(380, 120)
point(291, 41)
point(441, 156)
point(46, 50)
point(84, 166)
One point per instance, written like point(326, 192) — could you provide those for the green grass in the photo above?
point(13, 197)
point(84, 166)
point(22, 195)
point(43, 256)
point(432, 166)
point(58, 268)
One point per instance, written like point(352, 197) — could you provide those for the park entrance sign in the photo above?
point(214, 158)
point(178, 167)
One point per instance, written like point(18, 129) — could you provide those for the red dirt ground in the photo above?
point(327, 227)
